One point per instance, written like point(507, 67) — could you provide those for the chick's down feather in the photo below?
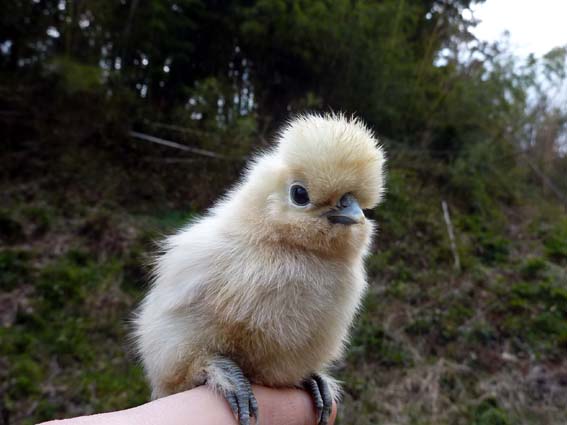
point(268, 281)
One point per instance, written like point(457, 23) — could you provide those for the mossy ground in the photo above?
point(483, 345)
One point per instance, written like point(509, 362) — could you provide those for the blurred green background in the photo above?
point(82, 200)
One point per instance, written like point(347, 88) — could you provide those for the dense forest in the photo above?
point(121, 120)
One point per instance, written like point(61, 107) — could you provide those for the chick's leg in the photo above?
point(323, 390)
point(225, 376)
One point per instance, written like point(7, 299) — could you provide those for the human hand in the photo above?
point(201, 406)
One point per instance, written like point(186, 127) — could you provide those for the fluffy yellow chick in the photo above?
point(265, 286)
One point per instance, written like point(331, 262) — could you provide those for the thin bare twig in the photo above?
point(447, 218)
point(169, 143)
point(180, 129)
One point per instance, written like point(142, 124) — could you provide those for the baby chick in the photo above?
point(265, 286)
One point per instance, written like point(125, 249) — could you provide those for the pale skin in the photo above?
point(201, 406)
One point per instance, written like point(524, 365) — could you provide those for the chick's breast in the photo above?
point(279, 313)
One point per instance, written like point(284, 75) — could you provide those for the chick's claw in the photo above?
point(311, 386)
point(320, 390)
point(240, 398)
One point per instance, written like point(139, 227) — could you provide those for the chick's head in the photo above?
point(313, 186)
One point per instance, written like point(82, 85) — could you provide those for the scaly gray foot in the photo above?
point(241, 399)
point(321, 393)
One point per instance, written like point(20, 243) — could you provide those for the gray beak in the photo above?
point(347, 211)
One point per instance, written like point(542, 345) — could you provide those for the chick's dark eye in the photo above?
point(299, 195)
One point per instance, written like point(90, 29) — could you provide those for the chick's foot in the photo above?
point(225, 376)
point(320, 390)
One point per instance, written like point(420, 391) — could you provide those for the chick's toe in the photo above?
point(225, 376)
point(320, 390)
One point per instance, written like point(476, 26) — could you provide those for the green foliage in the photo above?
point(15, 269)
point(476, 175)
point(482, 332)
point(486, 239)
point(75, 77)
point(39, 218)
point(556, 242)
point(534, 268)
point(69, 280)
point(11, 230)
point(76, 316)
point(169, 221)
point(409, 226)
point(554, 64)
point(115, 386)
point(26, 376)
point(535, 313)
point(488, 413)
point(370, 339)
point(444, 323)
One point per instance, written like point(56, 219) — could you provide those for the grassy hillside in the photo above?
point(475, 127)
point(482, 345)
